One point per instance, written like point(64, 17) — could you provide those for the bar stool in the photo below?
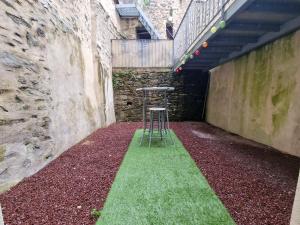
point(167, 125)
point(161, 126)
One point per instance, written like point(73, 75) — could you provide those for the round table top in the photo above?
point(157, 109)
point(156, 89)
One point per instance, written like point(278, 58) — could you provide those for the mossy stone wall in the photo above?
point(257, 95)
point(128, 102)
point(186, 102)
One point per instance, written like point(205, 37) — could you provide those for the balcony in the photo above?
point(248, 24)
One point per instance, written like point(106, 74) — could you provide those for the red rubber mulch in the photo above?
point(66, 190)
point(256, 184)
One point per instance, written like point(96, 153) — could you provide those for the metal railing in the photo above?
point(142, 53)
point(199, 18)
point(140, 3)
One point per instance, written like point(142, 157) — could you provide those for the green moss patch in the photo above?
point(2, 152)
point(117, 77)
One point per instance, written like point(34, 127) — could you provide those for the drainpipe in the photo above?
point(206, 96)
point(295, 218)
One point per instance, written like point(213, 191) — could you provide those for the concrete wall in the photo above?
point(55, 79)
point(257, 95)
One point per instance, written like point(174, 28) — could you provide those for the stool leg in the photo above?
point(160, 124)
point(167, 115)
point(168, 127)
point(145, 125)
point(164, 126)
point(165, 122)
point(142, 139)
point(143, 135)
point(151, 128)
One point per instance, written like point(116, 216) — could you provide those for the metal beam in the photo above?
point(198, 66)
point(208, 57)
point(202, 69)
point(279, 8)
point(202, 61)
point(205, 64)
point(212, 49)
point(232, 42)
point(254, 26)
point(239, 38)
point(269, 37)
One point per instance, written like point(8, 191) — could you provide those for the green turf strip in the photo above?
point(161, 185)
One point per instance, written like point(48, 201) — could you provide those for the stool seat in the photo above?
point(157, 109)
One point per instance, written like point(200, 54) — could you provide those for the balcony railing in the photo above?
point(140, 3)
point(198, 19)
point(142, 53)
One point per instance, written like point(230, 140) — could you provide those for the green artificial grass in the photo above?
point(161, 185)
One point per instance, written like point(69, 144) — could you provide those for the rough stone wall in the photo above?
point(186, 102)
point(180, 7)
point(128, 102)
point(106, 30)
point(159, 11)
point(129, 27)
point(257, 95)
point(55, 79)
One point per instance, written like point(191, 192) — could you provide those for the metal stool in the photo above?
point(161, 126)
point(167, 125)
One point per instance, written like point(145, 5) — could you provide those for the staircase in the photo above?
point(133, 10)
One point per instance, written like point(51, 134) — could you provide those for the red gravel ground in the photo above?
point(255, 183)
point(81, 176)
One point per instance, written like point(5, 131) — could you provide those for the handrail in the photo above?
point(140, 3)
point(199, 15)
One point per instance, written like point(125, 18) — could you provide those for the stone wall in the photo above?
point(129, 27)
point(257, 95)
point(55, 79)
point(159, 11)
point(128, 102)
point(186, 102)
